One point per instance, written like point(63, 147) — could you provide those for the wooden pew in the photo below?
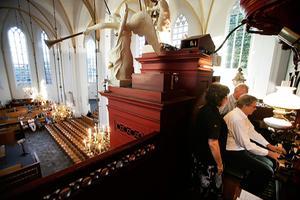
point(88, 120)
point(7, 136)
point(64, 144)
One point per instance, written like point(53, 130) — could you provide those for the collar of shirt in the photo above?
point(241, 113)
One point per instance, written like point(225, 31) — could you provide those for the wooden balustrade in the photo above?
point(117, 173)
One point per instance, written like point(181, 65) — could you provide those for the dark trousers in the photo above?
point(260, 168)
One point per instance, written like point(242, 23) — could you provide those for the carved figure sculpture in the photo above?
point(115, 18)
point(163, 21)
point(160, 13)
point(121, 60)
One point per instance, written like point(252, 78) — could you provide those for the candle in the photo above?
point(90, 133)
point(102, 136)
point(95, 136)
point(84, 142)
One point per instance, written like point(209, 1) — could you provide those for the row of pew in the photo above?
point(70, 134)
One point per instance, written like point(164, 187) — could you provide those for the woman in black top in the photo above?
point(209, 141)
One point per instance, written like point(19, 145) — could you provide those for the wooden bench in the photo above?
point(88, 120)
point(17, 175)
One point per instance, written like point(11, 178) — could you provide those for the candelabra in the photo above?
point(97, 140)
point(61, 112)
point(39, 99)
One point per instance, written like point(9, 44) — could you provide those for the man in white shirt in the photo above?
point(242, 149)
point(239, 90)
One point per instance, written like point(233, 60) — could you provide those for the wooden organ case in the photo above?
point(161, 96)
point(161, 99)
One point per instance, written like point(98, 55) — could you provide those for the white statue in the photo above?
point(163, 20)
point(115, 18)
point(120, 59)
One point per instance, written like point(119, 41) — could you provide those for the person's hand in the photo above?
point(220, 169)
point(280, 149)
point(273, 155)
point(277, 149)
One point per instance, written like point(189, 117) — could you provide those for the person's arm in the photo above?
point(275, 151)
point(273, 155)
point(240, 129)
point(278, 149)
point(257, 137)
point(215, 150)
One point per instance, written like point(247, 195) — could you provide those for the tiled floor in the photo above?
point(52, 157)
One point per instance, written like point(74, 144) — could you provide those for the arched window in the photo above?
point(180, 30)
point(238, 44)
point(91, 61)
point(47, 69)
point(19, 54)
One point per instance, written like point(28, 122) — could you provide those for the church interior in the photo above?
point(98, 97)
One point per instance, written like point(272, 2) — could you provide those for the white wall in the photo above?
point(81, 77)
point(5, 95)
point(267, 65)
point(183, 7)
point(259, 64)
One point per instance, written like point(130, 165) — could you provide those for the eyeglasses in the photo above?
point(252, 106)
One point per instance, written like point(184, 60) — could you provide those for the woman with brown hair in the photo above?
point(208, 143)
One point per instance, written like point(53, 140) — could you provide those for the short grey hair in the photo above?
point(241, 86)
point(245, 100)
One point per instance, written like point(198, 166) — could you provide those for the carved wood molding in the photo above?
point(98, 176)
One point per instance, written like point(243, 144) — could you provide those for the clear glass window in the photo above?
point(19, 53)
point(180, 30)
point(91, 61)
point(238, 44)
